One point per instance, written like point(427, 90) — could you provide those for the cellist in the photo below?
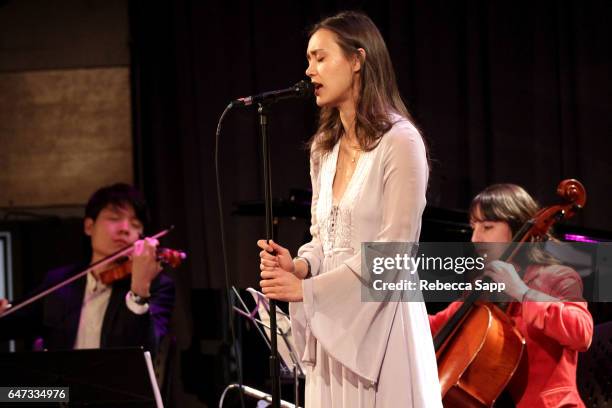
point(547, 303)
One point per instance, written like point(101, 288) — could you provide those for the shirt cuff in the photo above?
point(135, 307)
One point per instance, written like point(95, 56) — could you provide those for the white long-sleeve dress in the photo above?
point(365, 354)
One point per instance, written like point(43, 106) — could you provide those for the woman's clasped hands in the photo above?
point(281, 276)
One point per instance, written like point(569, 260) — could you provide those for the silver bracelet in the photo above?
point(309, 273)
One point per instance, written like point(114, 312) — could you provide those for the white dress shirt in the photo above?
point(95, 302)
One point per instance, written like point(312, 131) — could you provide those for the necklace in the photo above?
point(354, 150)
point(350, 163)
point(345, 167)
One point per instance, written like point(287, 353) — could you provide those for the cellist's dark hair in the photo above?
point(379, 95)
point(505, 202)
point(513, 205)
point(120, 195)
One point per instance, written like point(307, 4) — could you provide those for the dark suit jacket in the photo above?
point(55, 318)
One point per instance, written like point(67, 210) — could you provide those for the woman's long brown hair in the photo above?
point(378, 94)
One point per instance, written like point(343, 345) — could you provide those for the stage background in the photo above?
point(504, 91)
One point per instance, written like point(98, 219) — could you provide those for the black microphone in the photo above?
point(302, 89)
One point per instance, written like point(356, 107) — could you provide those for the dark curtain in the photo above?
point(503, 91)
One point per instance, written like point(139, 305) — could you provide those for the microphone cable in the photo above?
point(228, 286)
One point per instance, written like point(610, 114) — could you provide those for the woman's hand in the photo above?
point(274, 256)
point(503, 272)
point(279, 284)
point(145, 266)
point(280, 277)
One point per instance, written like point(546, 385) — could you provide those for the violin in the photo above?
point(123, 267)
point(169, 256)
point(479, 349)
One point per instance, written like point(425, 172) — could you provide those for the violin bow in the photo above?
point(102, 262)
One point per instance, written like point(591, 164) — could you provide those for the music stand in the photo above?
point(122, 377)
point(292, 366)
point(286, 346)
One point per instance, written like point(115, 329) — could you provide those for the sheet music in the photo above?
point(286, 346)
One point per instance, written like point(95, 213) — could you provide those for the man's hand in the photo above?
point(145, 266)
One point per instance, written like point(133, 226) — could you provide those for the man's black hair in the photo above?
point(120, 195)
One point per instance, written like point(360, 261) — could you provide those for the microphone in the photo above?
point(252, 392)
point(302, 89)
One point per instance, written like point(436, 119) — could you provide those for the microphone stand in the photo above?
point(262, 112)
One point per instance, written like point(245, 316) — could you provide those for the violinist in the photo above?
point(547, 303)
point(88, 313)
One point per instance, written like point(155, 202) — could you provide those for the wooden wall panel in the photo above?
point(63, 134)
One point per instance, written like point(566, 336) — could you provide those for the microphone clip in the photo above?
point(302, 89)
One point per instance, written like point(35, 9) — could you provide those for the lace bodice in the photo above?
point(336, 221)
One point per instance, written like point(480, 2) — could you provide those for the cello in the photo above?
point(478, 349)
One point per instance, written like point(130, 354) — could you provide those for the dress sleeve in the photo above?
point(332, 301)
point(566, 320)
point(405, 174)
point(313, 250)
